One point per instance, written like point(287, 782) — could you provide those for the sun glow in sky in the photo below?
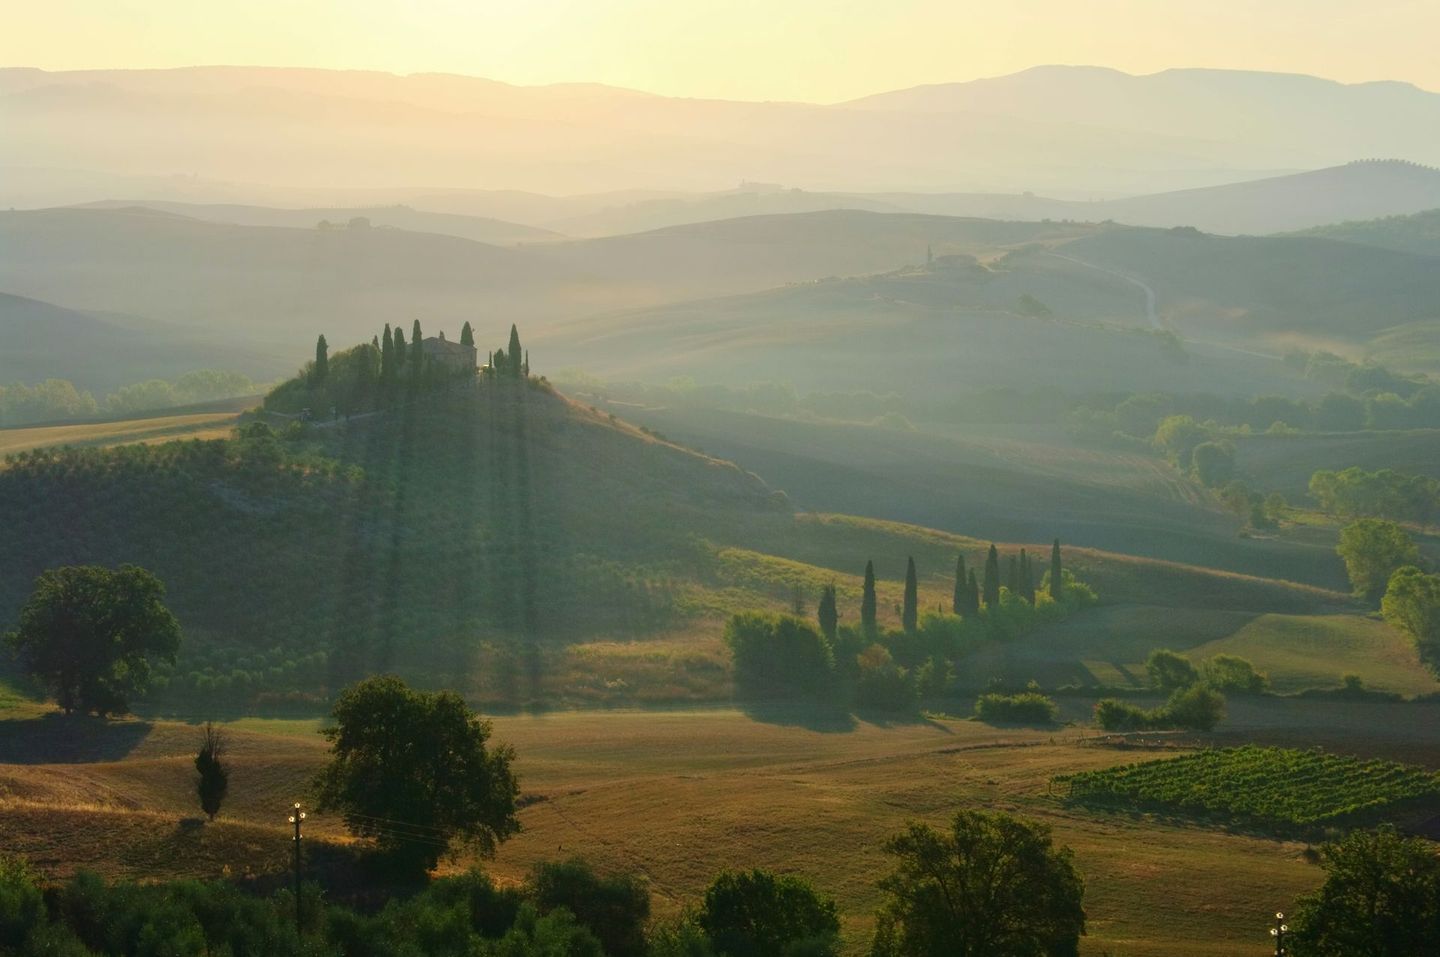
point(816, 50)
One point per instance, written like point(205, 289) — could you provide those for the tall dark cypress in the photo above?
point(467, 335)
point(1012, 575)
point(972, 594)
point(322, 359)
point(1027, 578)
point(515, 361)
point(957, 601)
point(1057, 585)
point(400, 350)
point(910, 615)
point(828, 613)
point(387, 354)
point(867, 602)
point(415, 348)
point(992, 578)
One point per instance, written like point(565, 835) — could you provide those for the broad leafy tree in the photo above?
point(416, 772)
point(992, 885)
point(1381, 898)
point(760, 914)
point(1412, 604)
point(89, 634)
point(1373, 549)
point(214, 778)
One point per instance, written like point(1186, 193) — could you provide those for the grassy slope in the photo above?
point(1285, 463)
point(206, 425)
point(677, 796)
point(1014, 483)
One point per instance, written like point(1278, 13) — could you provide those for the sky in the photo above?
point(811, 50)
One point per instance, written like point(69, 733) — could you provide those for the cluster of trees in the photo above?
point(1356, 493)
point(1023, 896)
point(511, 362)
point(1372, 398)
point(1027, 707)
point(1373, 550)
point(59, 399)
point(777, 656)
point(381, 372)
point(1196, 701)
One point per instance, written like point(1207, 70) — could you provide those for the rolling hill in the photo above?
point(103, 352)
point(480, 229)
point(1417, 233)
point(1359, 190)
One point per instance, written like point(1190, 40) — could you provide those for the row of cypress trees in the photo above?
point(970, 593)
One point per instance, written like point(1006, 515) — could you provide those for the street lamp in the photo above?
point(296, 816)
point(1278, 932)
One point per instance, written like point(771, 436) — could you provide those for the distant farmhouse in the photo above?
point(455, 356)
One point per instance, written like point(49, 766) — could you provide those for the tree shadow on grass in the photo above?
point(899, 719)
point(811, 717)
point(56, 738)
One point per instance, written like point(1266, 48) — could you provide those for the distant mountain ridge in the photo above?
point(1069, 131)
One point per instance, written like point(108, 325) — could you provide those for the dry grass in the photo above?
point(207, 425)
point(679, 795)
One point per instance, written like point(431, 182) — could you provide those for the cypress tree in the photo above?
point(972, 594)
point(387, 354)
point(375, 341)
point(1012, 575)
point(828, 612)
point(214, 776)
point(467, 335)
point(400, 350)
point(910, 615)
point(867, 602)
point(1027, 578)
point(415, 354)
point(992, 578)
point(322, 359)
point(957, 601)
point(1057, 585)
point(515, 360)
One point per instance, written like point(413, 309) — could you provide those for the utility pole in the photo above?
point(296, 816)
point(1278, 932)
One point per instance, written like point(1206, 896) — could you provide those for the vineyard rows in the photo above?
point(1269, 786)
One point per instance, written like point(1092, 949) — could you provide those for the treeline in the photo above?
point(863, 665)
point(1386, 493)
point(59, 399)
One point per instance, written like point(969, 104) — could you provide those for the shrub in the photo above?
point(1028, 708)
point(760, 914)
point(881, 683)
point(614, 909)
point(1112, 714)
point(1196, 708)
point(1233, 674)
point(1169, 671)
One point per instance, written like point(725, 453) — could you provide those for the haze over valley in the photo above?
point(453, 509)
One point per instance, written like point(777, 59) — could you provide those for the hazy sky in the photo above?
point(819, 50)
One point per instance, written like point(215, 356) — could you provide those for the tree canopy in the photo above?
point(1412, 604)
point(991, 885)
point(1373, 549)
point(1381, 898)
point(759, 914)
point(88, 634)
point(414, 771)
